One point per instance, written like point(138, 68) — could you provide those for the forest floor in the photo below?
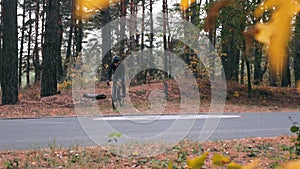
point(263, 99)
point(270, 151)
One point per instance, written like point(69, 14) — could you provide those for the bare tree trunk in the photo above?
point(35, 56)
point(70, 37)
point(51, 49)
point(22, 44)
point(132, 26)
point(257, 64)
point(122, 27)
point(1, 51)
point(143, 26)
point(9, 82)
point(43, 25)
point(249, 77)
point(59, 58)
point(165, 42)
point(296, 52)
point(286, 74)
point(79, 36)
point(28, 50)
point(106, 41)
point(242, 70)
point(151, 40)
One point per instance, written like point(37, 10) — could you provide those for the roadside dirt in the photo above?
point(263, 99)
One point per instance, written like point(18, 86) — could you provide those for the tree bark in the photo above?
point(286, 74)
point(70, 37)
point(22, 44)
point(35, 56)
point(257, 64)
point(296, 52)
point(28, 50)
point(51, 49)
point(59, 58)
point(9, 83)
point(106, 41)
point(122, 27)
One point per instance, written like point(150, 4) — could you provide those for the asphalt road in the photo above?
point(85, 131)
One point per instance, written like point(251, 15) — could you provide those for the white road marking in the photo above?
point(165, 117)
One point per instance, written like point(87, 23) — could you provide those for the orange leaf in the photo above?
point(86, 8)
point(185, 4)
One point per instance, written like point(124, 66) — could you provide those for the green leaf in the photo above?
point(114, 134)
point(294, 129)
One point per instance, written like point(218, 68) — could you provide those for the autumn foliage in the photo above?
point(213, 13)
point(275, 34)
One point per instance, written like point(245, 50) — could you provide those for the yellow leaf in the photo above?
point(197, 162)
point(276, 33)
point(234, 165)
point(220, 160)
point(170, 165)
point(86, 8)
point(292, 165)
point(185, 4)
point(236, 94)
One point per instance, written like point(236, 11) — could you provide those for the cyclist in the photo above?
point(120, 73)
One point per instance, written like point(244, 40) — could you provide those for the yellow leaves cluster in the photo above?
point(64, 85)
point(276, 33)
point(223, 161)
point(220, 160)
point(197, 162)
point(185, 4)
point(86, 8)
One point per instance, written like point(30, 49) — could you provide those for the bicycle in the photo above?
point(117, 100)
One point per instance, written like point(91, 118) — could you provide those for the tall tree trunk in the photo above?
point(286, 74)
point(59, 58)
point(28, 50)
point(51, 49)
point(296, 52)
point(9, 83)
point(122, 27)
point(70, 37)
point(132, 26)
point(249, 77)
point(165, 42)
point(106, 41)
point(186, 55)
point(231, 60)
point(43, 25)
point(143, 27)
point(35, 56)
point(1, 50)
point(234, 61)
point(297, 65)
point(79, 36)
point(257, 64)
point(272, 77)
point(22, 44)
point(242, 80)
